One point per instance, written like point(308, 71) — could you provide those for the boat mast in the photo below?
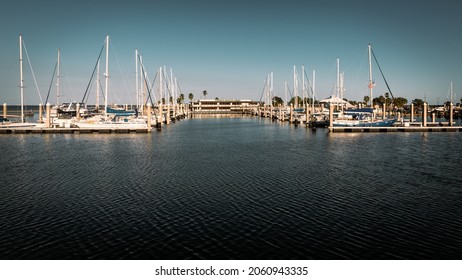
point(107, 75)
point(371, 82)
point(136, 80)
point(160, 86)
point(21, 81)
point(57, 77)
point(295, 88)
point(338, 78)
point(98, 85)
point(303, 86)
point(341, 87)
point(314, 87)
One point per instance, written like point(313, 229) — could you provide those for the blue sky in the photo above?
point(228, 47)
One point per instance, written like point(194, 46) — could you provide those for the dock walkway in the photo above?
point(397, 129)
point(43, 130)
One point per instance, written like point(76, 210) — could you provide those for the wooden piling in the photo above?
point(307, 114)
point(291, 120)
point(77, 111)
point(331, 115)
point(412, 113)
point(40, 119)
point(424, 115)
point(149, 116)
point(4, 110)
point(48, 123)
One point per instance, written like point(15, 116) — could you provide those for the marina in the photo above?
point(231, 188)
point(308, 178)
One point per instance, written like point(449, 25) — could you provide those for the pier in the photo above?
point(397, 129)
point(51, 130)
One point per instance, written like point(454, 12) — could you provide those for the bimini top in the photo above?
point(360, 111)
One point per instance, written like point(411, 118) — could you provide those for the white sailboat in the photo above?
point(363, 117)
point(112, 119)
point(5, 122)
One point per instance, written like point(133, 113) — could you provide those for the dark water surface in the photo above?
point(239, 188)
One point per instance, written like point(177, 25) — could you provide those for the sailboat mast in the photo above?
point(136, 80)
point(98, 85)
point(371, 82)
point(314, 87)
point(57, 77)
point(303, 85)
point(295, 88)
point(338, 78)
point(341, 87)
point(21, 81)
point(107, 75)
point(160, 85)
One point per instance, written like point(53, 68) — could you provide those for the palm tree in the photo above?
point(191, 97)
point(277, 101)
point(181, 99)
point(205, 93)
point(366, 99)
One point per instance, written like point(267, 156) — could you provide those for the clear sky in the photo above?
point(228, 47)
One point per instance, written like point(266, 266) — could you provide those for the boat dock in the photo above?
point(44, 130)
point(396, 129)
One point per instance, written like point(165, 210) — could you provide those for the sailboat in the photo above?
point(4, 121)
point(363, 117)
point(112, 118)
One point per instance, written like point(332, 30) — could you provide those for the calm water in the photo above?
point(239, 188)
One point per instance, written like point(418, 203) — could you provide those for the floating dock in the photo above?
point(43, 130)
point(397, 129)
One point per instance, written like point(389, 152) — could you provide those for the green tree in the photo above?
point(399, 102)
point(366, 99)
point(181, 99)
point(205, 94)
point(379, 100)
point(418, 102)
point(276, 100)
point(191, 97)
point(292, 101)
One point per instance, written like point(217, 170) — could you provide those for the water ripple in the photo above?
point(231, 189)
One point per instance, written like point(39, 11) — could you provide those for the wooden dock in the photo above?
point(42, 130)
point(397, 129)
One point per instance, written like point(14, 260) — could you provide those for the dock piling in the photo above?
point(77, 111)
point(291, 113)
point(331, 115)
point(412, 113)
point(48, 123)
point(424, 114)
point(149, 116)
point(40, 113)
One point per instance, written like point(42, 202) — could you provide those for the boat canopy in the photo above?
point(335, 100)
point(359, 111)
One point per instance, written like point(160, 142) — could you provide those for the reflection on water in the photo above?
point(241, 188)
